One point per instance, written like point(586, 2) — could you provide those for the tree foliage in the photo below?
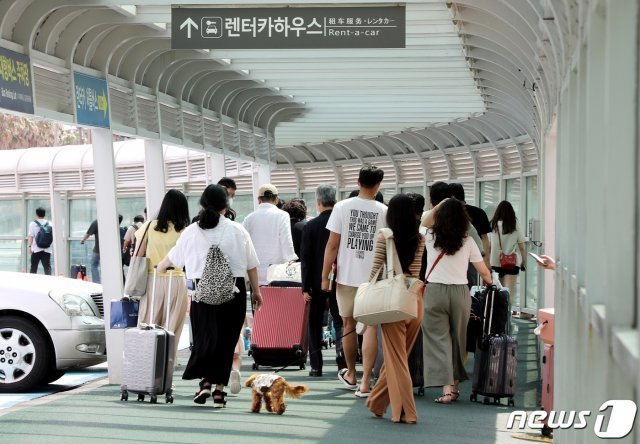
point(23, 132)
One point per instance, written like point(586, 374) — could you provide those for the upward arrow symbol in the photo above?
point(188, 23)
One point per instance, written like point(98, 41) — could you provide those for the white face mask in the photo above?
point(230, 202)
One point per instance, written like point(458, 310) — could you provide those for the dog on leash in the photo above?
point(272, 388)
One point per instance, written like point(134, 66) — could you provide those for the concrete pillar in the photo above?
point(548, 193)
point(216, 166)
point(110, 253)
point(261, 175)
point(154, 176)
point(59, 222)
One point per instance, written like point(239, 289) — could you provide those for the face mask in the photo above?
point(230, 202)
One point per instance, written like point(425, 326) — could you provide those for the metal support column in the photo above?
point(154, 176)
point(261, 175)
point(60, 248)
point(110, 252)
point(217, 168)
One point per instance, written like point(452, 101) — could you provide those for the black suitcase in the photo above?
point(416, 365)
point(494, 370)
point(78, 271)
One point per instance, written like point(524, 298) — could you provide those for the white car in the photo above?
point(47, 325)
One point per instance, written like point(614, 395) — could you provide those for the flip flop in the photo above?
point(346, 383)
point(360, 394)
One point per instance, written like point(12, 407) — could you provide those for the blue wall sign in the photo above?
point(16, 92)
point(92, 103)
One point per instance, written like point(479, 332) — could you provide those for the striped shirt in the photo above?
point(380, 257)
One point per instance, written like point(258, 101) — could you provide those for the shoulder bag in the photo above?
point(137, 274)
point(388, 300)
point(507, 261)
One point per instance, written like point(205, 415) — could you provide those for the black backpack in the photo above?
point(44, 238)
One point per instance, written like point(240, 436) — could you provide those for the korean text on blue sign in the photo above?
point(288, 28)
point(92, 104)
point(16, 92)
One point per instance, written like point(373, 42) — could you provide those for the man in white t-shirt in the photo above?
point(354, 224)
point(40, 253)
point(270, 231)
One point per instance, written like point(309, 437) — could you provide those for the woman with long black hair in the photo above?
point(216, 328)
point(506, 237)
point(447, 299)
point(156, 238)
point(394, 385)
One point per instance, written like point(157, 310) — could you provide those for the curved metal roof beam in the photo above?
point(110, 50)
point(281, 113)
point(259, 105)
point(306, 153)
point(294, 170)
point(251, 102)
point(189, 74)
point(483, 68)
point(88, 45)
point(505, 126)
point(372, 149)
point(10, 12)
point(491, 141)
point(219, 99)
point(165, 64)
point(423, 162)
point(347, 151)
point(334, 166)
point(255, 88)
point(380, 145)
point(457, 143)
point(53, 26)
point(204, 88)
point(264, 119)
point(436, 147)
point(187, 88)
point(81, 24)
point(219, 84)
point(501, 99)
point(240, 101)
point(177, 73)
point(531, 76)
point(494, 133)
point(496, 113)
point(137, 57)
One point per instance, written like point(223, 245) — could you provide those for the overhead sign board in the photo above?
point(92, 103)
point(16, 91)
point(288, 28)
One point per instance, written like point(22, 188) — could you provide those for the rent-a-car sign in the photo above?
point(288, 28)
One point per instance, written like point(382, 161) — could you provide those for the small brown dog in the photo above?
point(272, 388)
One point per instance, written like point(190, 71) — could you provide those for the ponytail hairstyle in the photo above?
point(213, 200)
point(450, 226)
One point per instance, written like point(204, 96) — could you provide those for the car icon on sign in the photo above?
point(211, 27)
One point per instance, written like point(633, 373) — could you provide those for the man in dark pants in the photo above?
point(39, 253)
point(314, 241)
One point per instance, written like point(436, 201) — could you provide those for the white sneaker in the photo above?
point(360, 328)
point(234, 382)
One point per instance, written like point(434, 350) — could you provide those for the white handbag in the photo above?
point(287, 272)
point(389, 300)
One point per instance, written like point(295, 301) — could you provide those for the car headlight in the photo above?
point(72, 304)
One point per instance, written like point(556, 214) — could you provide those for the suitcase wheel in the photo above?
point(547, 431)
point(496, 400)
point(140, 397)
point(302, 366)
point(421, 391)
point(486, 400)
point(254, 366)
point(473, 397)
point(124, 395)
point(510, 403)
point(154, 399)
point(169, 399)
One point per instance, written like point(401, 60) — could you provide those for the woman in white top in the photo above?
point(216, 328)
point(506, 238)
point(447, 301)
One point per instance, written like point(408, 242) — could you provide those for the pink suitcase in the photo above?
point(546, 320)
point(547, 385)
point(279, 335)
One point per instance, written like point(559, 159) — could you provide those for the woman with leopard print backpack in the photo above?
point(217, 253)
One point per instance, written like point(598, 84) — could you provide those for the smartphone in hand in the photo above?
point(537, 258)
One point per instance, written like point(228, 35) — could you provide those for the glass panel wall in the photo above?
point(531, 287)
point(12, 236)
point(489, 196)
point(81, 213)
point(513, 196)
point(32, 205)
point(310, 199)
point(194, 205)
point(242, 205)
point(130, 207)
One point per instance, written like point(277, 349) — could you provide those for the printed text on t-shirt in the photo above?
point(362, 231)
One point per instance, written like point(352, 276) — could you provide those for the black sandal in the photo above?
point(219, 399)
point(203, 394)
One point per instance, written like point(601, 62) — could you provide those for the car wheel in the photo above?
point(24, 354)
point(52, 375)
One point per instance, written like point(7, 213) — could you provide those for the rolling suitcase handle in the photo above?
point(153, 295)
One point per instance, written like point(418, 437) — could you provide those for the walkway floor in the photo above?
point(328, 414)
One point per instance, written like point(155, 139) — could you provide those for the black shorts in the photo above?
point(503, 271)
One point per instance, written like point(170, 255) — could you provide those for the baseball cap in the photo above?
point(267, 190)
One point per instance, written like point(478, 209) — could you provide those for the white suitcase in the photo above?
point(149, 357)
